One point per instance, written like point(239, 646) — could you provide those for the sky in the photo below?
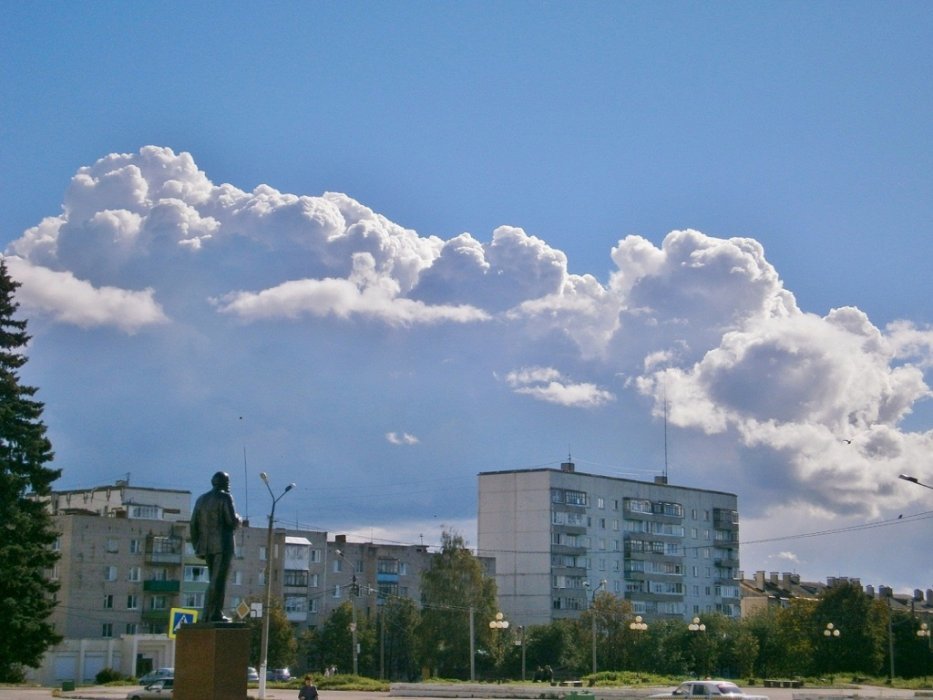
point(377, 248)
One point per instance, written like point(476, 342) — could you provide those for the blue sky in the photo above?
point(544, 221)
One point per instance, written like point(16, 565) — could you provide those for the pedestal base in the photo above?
point(211, 661)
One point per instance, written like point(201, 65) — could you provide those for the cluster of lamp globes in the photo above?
point(696, 626)
point(831, 630)
point(499, 623)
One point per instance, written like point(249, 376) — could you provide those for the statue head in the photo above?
point(221, 480)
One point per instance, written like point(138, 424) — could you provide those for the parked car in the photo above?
point(161, 688)
point(278, 674)
point(709, 689)
point(252, 674)
point(158, 674)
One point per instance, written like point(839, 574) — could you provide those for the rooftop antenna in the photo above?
point(664, 395)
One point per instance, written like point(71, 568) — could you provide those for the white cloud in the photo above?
point(365, 293)
point(77, 302)
point(401, 439)
point(547, 384)
point(701, 325)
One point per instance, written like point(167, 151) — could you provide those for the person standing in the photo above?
point(213, 522)
point(308, 690)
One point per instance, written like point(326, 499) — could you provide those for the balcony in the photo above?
point(162, 586)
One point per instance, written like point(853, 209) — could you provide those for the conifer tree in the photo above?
point(27, 595)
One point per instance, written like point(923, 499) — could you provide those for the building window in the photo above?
point(315, 556)
point(237, 578)
point(136, 546)
point(575, 498)
point(106, 629)
point(112, 545)
point(110, 573)
point(196, 574)
point(145, 512)
point(131, 627)
point(637, 505)
point(157, 602)
point(312, 605)
point(262, 553)
point(403, 568)
point(337, 566)
point(132, 602)
point(108, 601)
point(296, 578)
point(295, 604)
point(313, 581)
point(387, 566)
point(600, 502)
point(193, 600)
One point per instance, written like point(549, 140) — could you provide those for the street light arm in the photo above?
point(914, 480)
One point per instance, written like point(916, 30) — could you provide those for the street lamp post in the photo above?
point(831, 632)
point(602, 584)
point(697, 626)
point(924, 633)
point(499, 624)
point(267, 613)
point(521, 640)
point(638, 625)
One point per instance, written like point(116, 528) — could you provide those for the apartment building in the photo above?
point(127, 560)
point(559, 536)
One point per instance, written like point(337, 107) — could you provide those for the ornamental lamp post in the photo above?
point(264, 643)
point(638, 625)
point(500, 624)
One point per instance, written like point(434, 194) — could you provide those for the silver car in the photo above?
point(709, 689)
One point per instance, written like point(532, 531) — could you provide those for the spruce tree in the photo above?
point(27, 535)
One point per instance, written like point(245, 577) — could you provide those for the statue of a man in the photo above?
point(212, 524)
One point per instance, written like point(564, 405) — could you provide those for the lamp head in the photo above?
point(264, 477)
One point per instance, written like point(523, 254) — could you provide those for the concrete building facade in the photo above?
point(558, 536)
point(126, 561)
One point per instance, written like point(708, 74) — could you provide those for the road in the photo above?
point(119, 693)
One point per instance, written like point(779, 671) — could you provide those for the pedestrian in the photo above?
point(308, 690)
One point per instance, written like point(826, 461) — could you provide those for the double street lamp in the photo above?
point(267, 613)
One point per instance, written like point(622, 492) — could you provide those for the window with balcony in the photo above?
point(296, 578)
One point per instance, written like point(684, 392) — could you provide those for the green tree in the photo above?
point(283, 647)
point(862, 624)
point(26, 531)
point(609, 617)
point(399, 620)
point(454, 584)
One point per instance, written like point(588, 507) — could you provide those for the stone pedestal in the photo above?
point(211, 661)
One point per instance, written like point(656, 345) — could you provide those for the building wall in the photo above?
point(558, 534)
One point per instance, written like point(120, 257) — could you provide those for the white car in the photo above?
point(709, 689)
point(160, 689)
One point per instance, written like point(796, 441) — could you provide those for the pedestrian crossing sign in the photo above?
point(179, 617)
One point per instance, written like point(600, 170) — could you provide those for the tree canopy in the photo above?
point(27, 594)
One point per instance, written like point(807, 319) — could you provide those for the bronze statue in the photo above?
point(212, 524)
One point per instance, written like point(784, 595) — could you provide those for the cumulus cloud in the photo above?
point(701, 327)
point(401, 439)
point(548, 384)
point(77, 302)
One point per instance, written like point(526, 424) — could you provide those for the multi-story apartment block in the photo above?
point(127, 560)
point(558, 536)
